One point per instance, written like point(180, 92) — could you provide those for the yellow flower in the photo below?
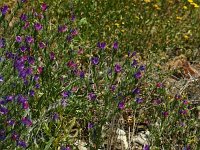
point(190, 1)
point(186, 37)
point(185, 7)
point(147, 1)
point(179, 18)
point(156, 7)
point(117, 24)
point(195, 5)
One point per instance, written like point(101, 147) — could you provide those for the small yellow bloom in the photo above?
point(179, 18)
point(123, 31)
point(185, 7)
point(156, 7)
point(195, 5)
point(147, 1)
point(186, 37)
point(117, 24)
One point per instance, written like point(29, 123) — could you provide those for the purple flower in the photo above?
point(44, 6)
point(74, 32)
point(26, 121)
point(37, 86)
point(73, 17)
point(36, 78)
point(118, 68)
point(2, 134)
point(2, 42)
point(62, 28)
point(29, 39)
point(42, 45)
point(101, 45)
point(52, 55)
point(63, 103)
point(1, 78)
point(9, 98)
point(165, 113)
point(69, 38)
point(21, 99)
point(142, 68)
point(27, 24)
point(31, 60)
point(115, 45)
point(25, 105)
point(134, 63)
point(90, 125)
point(3, 110)
point(21, 143)
point(4, 10)
point(31, 93)
point(23, 17)
point(138, 75)
point(157, 101)
point(95, 60)
point(139, 100)
point(187, 147)
point(121, 105)
point(82, 74)
point(146, 147)
point(65, 148)
point(18, 39)
point(14, 136)
point(38, 26)
point(10, 122)
point(55, 116)
point(92, 96)
point(23, 48)
point(136, 91)
point(66, 94)
point(112, 88)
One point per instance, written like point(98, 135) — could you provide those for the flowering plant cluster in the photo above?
point(55, 87)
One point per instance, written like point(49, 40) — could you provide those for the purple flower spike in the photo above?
point(3, 110)
point(23, 48)
point(146, 147)
point(4, 10)
point(90, 125)
point(29, 39)
point(38, 26)
point(26, 121)
point(66, 94)
point(142, 68)
point(165, 113)
point(92, 96)
point(27, 24)
point(23, 17)
point(139, 100)
point(95, 60)
point(9, 98)
point(65, 148)
point(11, 122)
point(136, 91)
point(52, 55)
point(18, 39)
point(115, 45)
point(121, 105)
point(134, 63)
point(138, 75)
point(55, 116)
point(118, 68)
point(2, 135)
point(14, 136)
point(101, 45)
point(42, 45)
point(21, 143)
point(2, 42)
point(31, 60)
point(62, 28)
point(44, 6)
point(1, 78)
